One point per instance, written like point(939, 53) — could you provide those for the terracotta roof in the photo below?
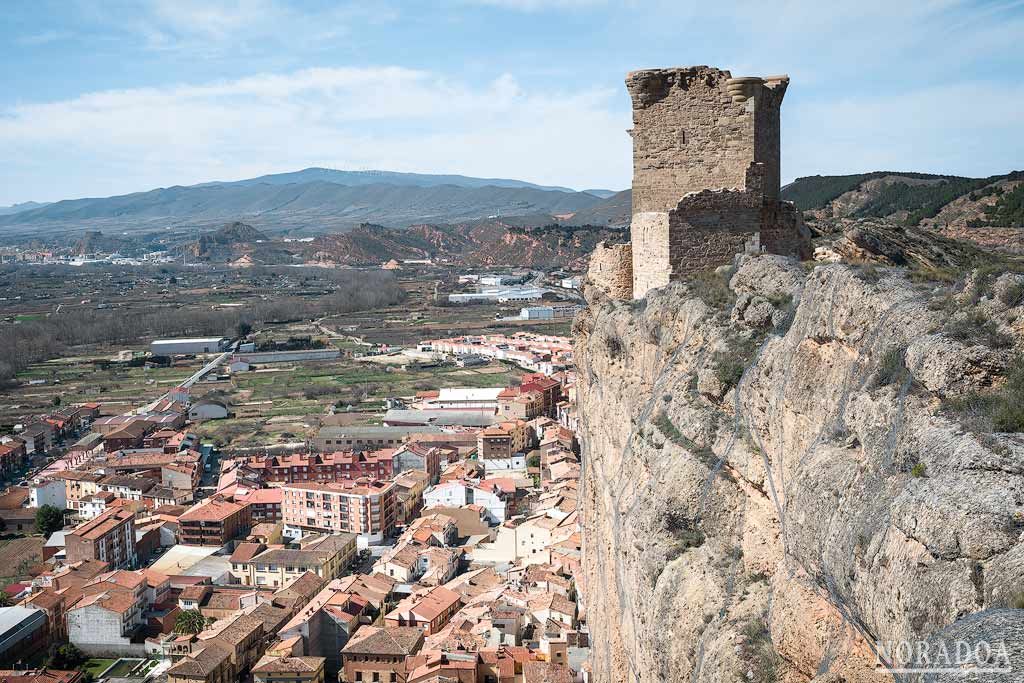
point(291, 665)
point(211, 510)
point(103, 524)
point(394, 641)
point(197, 592)
point(202, 663)
point(246, 551)
point(240, 629)
point(39, 676)
point(271, 495)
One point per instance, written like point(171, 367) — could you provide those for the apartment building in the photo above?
point(365, 507)
point(253, 564)
point(109, 537)
point(215, 521)
point(324, 467)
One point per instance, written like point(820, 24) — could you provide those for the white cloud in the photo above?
point(226, 28)
point(538, 5)
point(386, 117)
point(970, 128)
point(44, 37)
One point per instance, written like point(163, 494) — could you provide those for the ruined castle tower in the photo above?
point(705, 172)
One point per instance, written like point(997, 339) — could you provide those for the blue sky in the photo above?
point(110, 97)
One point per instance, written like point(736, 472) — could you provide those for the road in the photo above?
point(195, 377)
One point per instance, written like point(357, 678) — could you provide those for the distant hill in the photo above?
point(18, 208)
point(358, 178)
point(603, 194)
point(311, 207)
point(913, 197)
point(478, 243)
point(615, 211)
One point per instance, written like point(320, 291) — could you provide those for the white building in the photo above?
point(104, 622)
point(516, 464)
point(499, 294)
point(460, 493)
point(188, 345)
point(48, 492)
point(526, 540)
point(96, 505)
point(453, 398)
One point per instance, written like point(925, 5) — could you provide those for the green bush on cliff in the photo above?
point(997, 410)
point(892, 369)
point(713, 289)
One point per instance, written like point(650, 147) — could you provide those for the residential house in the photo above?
point(108, 618)
point(78, 486)
point(428, 610)
point(265, 504)
point(325, 625)
point(409, 489)
point(127, 436)
point(289, 670)
point(425, 457)
point(38, 438)
point(13, 457)
point(214, 521)
point(48, 492)
point(327, 557)
point(497, 496)
point(503, 446)
point(379, 654)
point(323, 467)
point(210, 663)
point(109, 538)
point(365, 507)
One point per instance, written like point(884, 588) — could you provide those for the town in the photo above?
point(421, 530)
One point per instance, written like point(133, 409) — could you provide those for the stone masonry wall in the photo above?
point(652, 267)
point(706, 172)
point(687, 136)
point(710, 227)
point(611, 270)
point(693, 131)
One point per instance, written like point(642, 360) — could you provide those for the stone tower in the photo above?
point(706, 172)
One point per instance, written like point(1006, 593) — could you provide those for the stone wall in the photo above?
point(710, 227)
point(611, 270)
point(706, 170)
point(697, 128)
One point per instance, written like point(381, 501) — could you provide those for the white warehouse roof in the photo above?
point(458, 394)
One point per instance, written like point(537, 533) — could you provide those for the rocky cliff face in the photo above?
point(785, 474)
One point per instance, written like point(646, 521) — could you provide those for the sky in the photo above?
point(108, 97)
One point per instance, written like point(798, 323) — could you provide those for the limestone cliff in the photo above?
point(786, 468)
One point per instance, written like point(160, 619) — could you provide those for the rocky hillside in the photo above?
point(787, 467)
point(480, 243)
point(987, 211)
point(232, 241)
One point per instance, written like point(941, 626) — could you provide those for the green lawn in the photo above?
point(97, 666)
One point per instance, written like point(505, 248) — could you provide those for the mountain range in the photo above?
point(319, 201)
point(311, 201)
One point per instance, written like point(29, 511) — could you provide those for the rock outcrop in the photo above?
point(787, 470)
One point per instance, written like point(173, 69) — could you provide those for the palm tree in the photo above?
point(189, 621)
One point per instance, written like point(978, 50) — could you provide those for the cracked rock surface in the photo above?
point(783, 525)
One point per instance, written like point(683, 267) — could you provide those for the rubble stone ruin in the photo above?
point(705, 176)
